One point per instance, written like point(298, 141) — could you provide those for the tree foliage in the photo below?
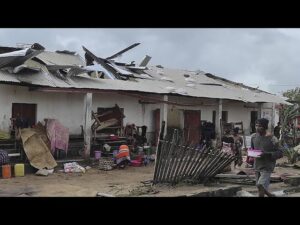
point(293, 95)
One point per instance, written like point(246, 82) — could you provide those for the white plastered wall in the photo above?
point(68, 108)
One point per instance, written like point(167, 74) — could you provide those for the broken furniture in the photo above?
point(107, 128)
point(105, 119)
point(136, 135)
point(13, 147)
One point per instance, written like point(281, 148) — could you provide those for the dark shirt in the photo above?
point(270, 146)
point(227, 139)
point(277, 131)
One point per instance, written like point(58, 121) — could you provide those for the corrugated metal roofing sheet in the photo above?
point(54, 58)
point(7, 77)
point(182, 82)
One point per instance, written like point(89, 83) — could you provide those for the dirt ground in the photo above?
point(119, 183)
point(114, 182)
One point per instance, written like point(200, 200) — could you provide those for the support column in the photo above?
point(273, 118)
point(219, 119)
point(87, 124)
point(164, 113)
point(259, 110)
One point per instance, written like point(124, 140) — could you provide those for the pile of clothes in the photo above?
point(4, 158)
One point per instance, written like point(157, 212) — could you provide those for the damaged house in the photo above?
point(79, 92)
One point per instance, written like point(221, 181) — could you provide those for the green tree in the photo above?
point(293, 95)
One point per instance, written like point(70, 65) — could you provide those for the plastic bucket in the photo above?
point(97, 154)
point(19, 170)
point(6, 171)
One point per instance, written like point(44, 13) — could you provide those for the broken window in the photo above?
point(225, 116)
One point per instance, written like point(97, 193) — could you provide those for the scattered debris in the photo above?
point(143, 190)
point(229, 191)
point(243, 193)
point(16, 57)
point(42, 172)
point(145, 61)
point(122, 51)
point(243, 179)
point(107, 119)
point(99, 194)
point(73, 167)
point(106, 163)
point(147, 182)
point(292, 180)
point(279, 193)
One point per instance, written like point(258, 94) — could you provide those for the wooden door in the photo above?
point(192, 124)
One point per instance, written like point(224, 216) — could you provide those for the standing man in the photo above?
point(237, 147)
point(277, 130)
point(265, 164)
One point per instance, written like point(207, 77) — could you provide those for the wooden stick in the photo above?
point(179, 160)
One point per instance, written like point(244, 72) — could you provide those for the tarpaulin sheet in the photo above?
point(37, 151)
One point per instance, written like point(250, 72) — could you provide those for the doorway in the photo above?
point(254, 117)
point(192, 126)
point(25, 111)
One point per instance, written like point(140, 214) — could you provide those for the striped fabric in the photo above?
point(4, 158)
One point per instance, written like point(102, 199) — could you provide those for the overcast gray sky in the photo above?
point(267, 58)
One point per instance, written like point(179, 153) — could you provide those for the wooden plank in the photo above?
point(185, 160)
point(160, 144)
point(14, 154)
point(216, 158)
point(167, 159)
point(97, 122)
point(200, 166)
point(162, 160)
point(234, 176)
point(178, 157)
point(292, 180)
point(178, 172)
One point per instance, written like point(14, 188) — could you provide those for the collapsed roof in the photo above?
point(35, 66)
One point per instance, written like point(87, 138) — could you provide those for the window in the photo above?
point(225, 116)
point(214, 117)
